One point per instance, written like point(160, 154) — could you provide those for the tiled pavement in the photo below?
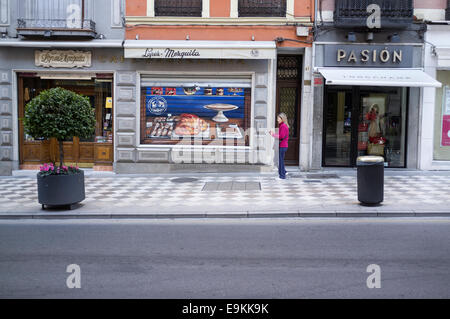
point(168, 196)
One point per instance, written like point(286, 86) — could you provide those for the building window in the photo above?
point(262, 8)
point(442, 118)
point(178, 8)
point(56, 18)
point(193, 110)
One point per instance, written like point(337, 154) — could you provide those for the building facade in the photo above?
point(207, 80)
point(369, 83)
point(75, 44)
point(435, 146)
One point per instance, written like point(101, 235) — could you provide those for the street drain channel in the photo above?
point(314, 176)
point(184, 180)
point(321, 176)
point(312, 181)
point(231, 186)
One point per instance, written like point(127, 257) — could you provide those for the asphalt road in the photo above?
point(241, 258)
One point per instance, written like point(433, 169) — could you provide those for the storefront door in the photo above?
point(82, 152)
point(288, 101)
point(362, 120)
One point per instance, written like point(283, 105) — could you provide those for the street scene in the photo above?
point(222, 259)
point(224, 150)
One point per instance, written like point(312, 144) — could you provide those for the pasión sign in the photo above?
point(368, 56)
point(63, 59)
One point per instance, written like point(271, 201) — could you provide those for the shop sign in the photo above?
point(63, 59)
point(196, 53)
point(445, 139)
point(382, 56)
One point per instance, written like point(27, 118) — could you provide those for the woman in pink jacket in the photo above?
point(283, 136)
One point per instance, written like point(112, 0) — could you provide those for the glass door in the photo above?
point(364, 121)
point(337, 146)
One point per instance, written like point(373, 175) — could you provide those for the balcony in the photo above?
point(56, 18)
point(178, 8)
point(353, 13)
point(262, 8)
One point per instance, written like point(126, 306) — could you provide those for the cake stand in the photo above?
point(220, 108)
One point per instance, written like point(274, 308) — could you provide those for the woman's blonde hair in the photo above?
point(284, 118)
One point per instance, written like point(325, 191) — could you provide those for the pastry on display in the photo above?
point(190, 124)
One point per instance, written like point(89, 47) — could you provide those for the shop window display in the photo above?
point(199, 113)
point(365, 121)
point(442, 118)
point(382, 125)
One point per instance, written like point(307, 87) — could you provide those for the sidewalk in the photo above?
point(318, 194)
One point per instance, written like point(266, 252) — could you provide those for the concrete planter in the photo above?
point(60, 190)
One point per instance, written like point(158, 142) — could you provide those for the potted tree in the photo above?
point(61, 114)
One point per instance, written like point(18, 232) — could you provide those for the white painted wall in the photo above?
point(438, 36)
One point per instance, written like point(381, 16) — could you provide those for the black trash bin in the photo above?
point(370, 179)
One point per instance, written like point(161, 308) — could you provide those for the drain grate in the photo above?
point(231, 186)
point(184, 180)
point(312, 181)
point(321, 176)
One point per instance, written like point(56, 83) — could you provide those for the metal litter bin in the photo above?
point(370, 179)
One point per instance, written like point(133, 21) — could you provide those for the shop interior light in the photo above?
point(369, 36)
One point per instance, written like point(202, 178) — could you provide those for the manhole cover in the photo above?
point(184, 180)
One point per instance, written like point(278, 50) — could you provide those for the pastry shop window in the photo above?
point(205, 111)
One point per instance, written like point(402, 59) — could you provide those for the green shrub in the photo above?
point(61, 114)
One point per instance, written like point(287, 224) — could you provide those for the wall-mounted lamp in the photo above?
point(187, 37)
point(394, 38)
point(351, 36)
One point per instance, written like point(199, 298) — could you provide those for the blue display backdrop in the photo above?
point(207, 113)
point(180, 100)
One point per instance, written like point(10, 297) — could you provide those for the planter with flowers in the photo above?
point(61, 114)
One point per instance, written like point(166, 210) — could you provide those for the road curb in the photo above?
point(235, 214)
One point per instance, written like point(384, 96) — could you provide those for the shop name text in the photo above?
point(366, 55)
point(171, 53)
